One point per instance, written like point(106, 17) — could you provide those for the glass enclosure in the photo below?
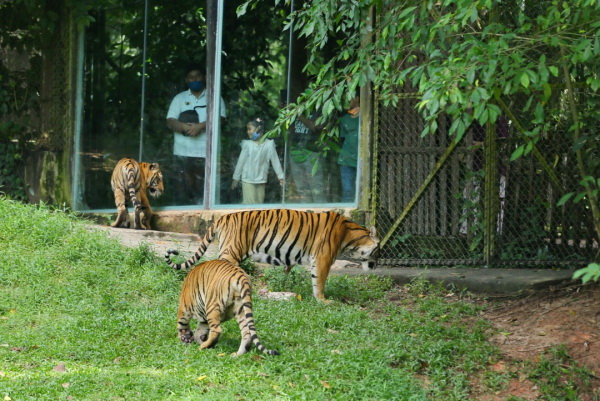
point(136, 64)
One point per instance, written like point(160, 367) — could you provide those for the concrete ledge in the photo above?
point(197, 221)
point(475, 280)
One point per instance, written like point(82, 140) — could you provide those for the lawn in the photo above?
point(84, 318)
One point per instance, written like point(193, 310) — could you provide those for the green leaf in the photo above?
point(553, 70)
point(406, 11)
point(591, 272)
point(517, 153)
point(525, 80)
point(579, 197)
point(471, 75)
point(547, 91)
point(565, 198)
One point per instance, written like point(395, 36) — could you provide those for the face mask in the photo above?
point(196, 86)
point(255, 136)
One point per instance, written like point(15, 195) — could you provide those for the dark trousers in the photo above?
point(188, 180)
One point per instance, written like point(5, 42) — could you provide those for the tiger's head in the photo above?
point(362, 244)
point(154, 179)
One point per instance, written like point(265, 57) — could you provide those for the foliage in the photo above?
point(339, 287)
point(297, 280)
point(83, 317)
point(558, 376)
point(535, 62)
point(249, 266)
point(11, 184)
point(591, 272)
point(472, 214)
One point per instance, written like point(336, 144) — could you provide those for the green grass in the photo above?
point(70, 295)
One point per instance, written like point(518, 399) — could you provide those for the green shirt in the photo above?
point(349, 131)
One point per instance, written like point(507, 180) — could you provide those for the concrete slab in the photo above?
point(159, 241)
point(475, 280)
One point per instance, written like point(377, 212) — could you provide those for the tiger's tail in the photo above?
point(131, 186)
point(245, 292)
point(191, 262)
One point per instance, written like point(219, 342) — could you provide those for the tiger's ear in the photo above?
point(373, 232)
point(154, 166)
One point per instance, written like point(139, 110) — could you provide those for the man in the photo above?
point(189, 146)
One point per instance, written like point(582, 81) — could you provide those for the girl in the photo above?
point(253, 165)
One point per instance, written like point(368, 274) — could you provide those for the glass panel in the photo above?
point(319, 174)
point(253, 75)
point(249, 168)
point(253, 87)
point(176, 49)
point(112, 101)
point(111, 114)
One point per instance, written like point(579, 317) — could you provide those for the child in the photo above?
point(253, 165)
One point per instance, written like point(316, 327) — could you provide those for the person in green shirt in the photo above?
point(304, 154)
point(347, 159)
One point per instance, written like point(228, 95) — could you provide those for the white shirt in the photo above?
point(190, 146)
point(253, 165)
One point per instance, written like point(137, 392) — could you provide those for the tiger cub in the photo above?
point(129, 181)
point(214, 292)
point(288, 237)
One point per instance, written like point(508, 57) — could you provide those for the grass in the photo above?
point(83, 318)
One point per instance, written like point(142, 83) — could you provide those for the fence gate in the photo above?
point(442, 203)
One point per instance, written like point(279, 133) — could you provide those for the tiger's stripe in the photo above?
point(212, 293)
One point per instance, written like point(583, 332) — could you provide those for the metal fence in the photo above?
point(441, 203)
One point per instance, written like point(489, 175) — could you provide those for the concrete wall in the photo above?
point(196, 222)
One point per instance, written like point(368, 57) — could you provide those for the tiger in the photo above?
point(129, 181)
point(284, 237)
point(214, 292)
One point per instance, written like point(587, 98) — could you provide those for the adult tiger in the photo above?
point(129, 181)
point(285, 237)
point(214, 292)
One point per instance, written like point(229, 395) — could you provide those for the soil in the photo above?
point(527, 329)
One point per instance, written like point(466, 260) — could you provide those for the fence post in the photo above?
point(491, 193)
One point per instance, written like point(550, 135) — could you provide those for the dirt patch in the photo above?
point(529, 327)
point(560, 326)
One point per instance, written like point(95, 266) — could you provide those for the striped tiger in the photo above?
point(129, 181)
point(285, 237)
point(214, 292)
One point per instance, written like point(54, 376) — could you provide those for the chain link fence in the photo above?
point(440, 203)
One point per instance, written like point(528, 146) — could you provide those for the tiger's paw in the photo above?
point(200, 337)
point(186, 336)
